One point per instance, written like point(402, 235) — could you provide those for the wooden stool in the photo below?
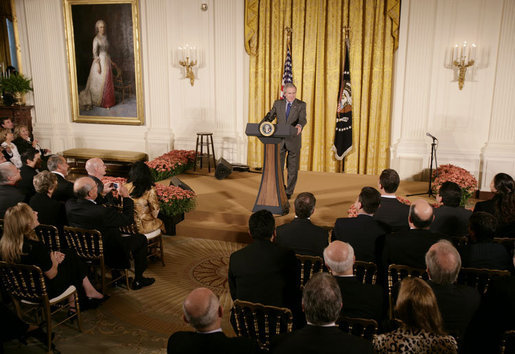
point(208, 143)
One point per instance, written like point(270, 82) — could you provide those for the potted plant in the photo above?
point(17, 85)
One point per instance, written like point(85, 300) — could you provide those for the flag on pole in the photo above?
point(287, 73)
point(343, 134)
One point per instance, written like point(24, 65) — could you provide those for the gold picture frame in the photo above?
point(104, 61)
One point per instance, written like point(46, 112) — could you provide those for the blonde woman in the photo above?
point(422, 329)
point(23, 141)
point(19, 244)
point(11, 151)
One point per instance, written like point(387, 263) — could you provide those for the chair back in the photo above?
point(86, 243)
point(49, 235)
point(397, 272)
point(130, 229)
point(24, 282)
point(261, 322)
point(480, 278)
point(508, 342)
point(360, 327)
point(365, 272)
point(460, 241)
point(307, 266)
point(508, 242)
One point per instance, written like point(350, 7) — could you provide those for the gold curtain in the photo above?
point(5, 13)
point(317, 55)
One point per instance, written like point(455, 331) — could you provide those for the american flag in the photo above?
point(287, 73)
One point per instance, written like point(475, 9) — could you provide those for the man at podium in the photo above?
point(290, 111)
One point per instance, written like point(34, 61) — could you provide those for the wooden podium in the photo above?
point(271, 195)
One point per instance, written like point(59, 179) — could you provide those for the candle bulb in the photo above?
point(455, 53)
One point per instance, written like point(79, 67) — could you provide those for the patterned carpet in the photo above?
point(141, 321)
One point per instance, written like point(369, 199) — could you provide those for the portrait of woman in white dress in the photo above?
point(99, 89)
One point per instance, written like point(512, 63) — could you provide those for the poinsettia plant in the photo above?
point(460, 176)
point(172, 163)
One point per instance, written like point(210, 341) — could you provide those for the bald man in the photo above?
point(96, 170)
point(408, 247)
point(9, 194)
point(359, 300)
point(85, 213)
point(203, 312)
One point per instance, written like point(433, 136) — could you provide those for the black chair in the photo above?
point(365, 272)
point(49, 235)
point(479, 278)
point(361, 327)
point(397, 272)
point(154, 239)
point(307, 266)
point(508, 342)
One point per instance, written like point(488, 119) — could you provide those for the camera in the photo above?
point(115, 185)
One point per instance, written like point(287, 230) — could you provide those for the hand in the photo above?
point(57, 257)
point(108, 187)
point(123, 192)
point(47, 151)
point(35, 144)
point(299, 128)
point(8, 149)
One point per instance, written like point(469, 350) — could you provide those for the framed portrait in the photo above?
point(104, 61)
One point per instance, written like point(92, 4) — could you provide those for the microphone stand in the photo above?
point(433, 156)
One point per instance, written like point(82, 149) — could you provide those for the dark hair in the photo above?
point(141, 179)
point(322, 299)
point(261, 225)
point(450, 193)
point(370, 199)
point(304, 205)
point(2, 121)
point(504, 197)
point(29, 154)
point(390, 180)
point(483, 225)
point(417, 221)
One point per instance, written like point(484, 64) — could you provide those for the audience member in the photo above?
point(359, 300)
point(10, 150)
point(2, 156)
point(31, 163)
point(457, 303)
point(421, 330)
point(23, 141)
point(408, 247)
point(502, 205)
point(6, 123)
point(146, 205)
point(263, 271)
point(364, 233)
point(482, 251)
point(322, 303)
point(58, 165)
point(450, 219)
point(20, 244)
point(50, 211)
point(9, 194)
point(96, 170)
point(391, 211)
point(203, 312)
point(301, 235)
point(83, 212)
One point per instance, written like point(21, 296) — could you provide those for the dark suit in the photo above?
point(9, 196)
point(363, 233)
point(25, 185)
point(320, 340)
point(451, 221)
point(409, 247)
point(216, 343)
point(457, 304)
point(488, 206)
point(264, 272)
point(88, 215)
point(486, 254)
point(50, 211)
point(393, 213)
point(292, 144)
point(360, 300)
point(64, 190)
point(303, 237)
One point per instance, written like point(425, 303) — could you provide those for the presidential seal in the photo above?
point(266, 128)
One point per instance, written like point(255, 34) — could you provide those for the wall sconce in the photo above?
point(187, 58)
point(463, 57)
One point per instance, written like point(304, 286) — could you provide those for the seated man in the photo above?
point(482, 251)
point(391, 212)
point(58, 165)
point(7, 123)
point(322, 303)
point(301, 235)
point(359, 300)
point(263, 271)
point(83, 212)
point(31, 160)
point(97, 170)
point(203, 312)
point(364, 233)
point(450, 219)
point(9, 194)
point(408, 247)
point(457, 303)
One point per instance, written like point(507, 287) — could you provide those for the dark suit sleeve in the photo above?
point(302, 115)
point(272, 114)
point(114, 218)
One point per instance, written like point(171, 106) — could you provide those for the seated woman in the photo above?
point(50, 211)
point(23, 141)
point(19, 244)
point(502, 205)
point(10, 150)
point(421, 330)
point(146, 205)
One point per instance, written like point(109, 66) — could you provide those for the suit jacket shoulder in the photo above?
point(193, 343)
point(303, 237)
point(9, 196)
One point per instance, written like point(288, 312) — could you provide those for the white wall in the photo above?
point(475, 126)
point(174, 110)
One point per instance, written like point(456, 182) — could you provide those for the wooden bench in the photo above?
point(117, 162)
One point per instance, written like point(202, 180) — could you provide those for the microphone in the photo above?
point(429, 135)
